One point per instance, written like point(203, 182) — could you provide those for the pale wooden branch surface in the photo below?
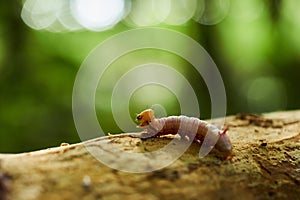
point(266, 165)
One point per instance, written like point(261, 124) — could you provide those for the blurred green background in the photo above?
point(256, 50)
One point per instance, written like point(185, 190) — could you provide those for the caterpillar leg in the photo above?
point(143, 135)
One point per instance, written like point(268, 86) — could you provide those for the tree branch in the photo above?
point(266, 165)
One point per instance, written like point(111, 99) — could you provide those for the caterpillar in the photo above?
point(186, 126)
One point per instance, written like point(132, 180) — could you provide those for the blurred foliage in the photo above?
point(257, 52)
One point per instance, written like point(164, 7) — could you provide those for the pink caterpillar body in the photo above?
point(186, 126)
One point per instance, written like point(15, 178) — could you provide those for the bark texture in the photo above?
point(266, 165)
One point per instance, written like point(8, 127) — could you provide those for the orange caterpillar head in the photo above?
point(145, 117)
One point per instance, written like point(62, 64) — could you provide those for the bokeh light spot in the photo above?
point(214, 12)
point(40, 14)
point(246, 10)
point(266, 94)
point(181, 11)
point(67, 20)
point(98, 15)
point(148, 13)
point(290, 10)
